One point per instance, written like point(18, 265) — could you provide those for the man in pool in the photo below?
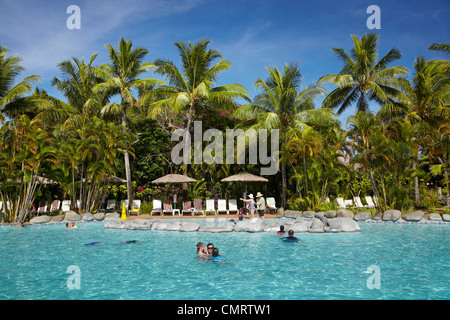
point(209, 249)
point(290, 236)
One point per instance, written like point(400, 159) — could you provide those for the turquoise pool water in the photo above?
point(413, 263)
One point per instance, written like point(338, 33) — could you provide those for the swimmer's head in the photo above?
point(215, 252)
point(290, 233)
point(281, 228)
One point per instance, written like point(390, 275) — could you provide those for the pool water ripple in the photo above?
point(412, 260)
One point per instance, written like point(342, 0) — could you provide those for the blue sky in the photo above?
point(252, 34)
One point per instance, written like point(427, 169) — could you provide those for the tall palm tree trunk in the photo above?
point(127, 160)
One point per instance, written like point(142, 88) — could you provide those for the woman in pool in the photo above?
point(252, 204)
point(281, 232)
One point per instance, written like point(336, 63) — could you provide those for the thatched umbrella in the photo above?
point(174, 178)
point(244, 177)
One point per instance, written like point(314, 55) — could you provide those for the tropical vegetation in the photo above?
point(116, 120)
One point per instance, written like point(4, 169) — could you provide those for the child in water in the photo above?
point(216, 257)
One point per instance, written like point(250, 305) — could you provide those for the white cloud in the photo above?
point(37, 31)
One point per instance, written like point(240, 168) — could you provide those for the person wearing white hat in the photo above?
point(261, 203)
point(252, 204)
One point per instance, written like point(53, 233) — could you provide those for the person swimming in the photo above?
point(290, 236)
point(129, 241)
point(281, 232)
point(201, 250)
point(216, 257)
point(93, 243)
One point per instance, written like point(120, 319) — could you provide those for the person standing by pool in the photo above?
point(261, 203)
point(252, 204)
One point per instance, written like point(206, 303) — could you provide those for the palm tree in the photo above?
point(281, 105)
point(12, 97)
point(191, 88)
point(121, 76)
point(363, 78)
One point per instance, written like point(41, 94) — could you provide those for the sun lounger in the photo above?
point(42, 207)
point(370, 203)
point(358, 202)
point(169, 208)
point(135, 207)
point(54, 206)
point(232, 206)
point(198, 206)
point(341, 203)
point(65, 206)
point(271, 204)
point(157, 207)
point(187, 208)
point(210, 206)
point(110, 205)
point(222, 206)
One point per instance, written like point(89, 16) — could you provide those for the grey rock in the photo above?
point(362, 216)
point(434, 217)
point(316, 226)
point(446, 217)
point(114, 224)
point(189, 227)
point(413, 216)
point(298, 226)
point(345, 213)
point(330, 214)
point(391, 215)
point(344, 225)
point(99, 216)
point(58, 218)
point(250, 225)
point(87, 216)
point(40, 219)
point(308, 214)
point(112, 215)
point(71, 216)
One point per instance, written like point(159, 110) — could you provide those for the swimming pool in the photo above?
point(412, 263)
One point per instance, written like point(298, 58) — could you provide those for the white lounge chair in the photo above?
point(222, 206)
point(341, 203)
point(135, 206)
point(358, 202)
point(157, 207)
point(210, 206)
point(65, 206)
point(271, 203)
point(232, 205)
point(370, 203)
point(121, 205)
point(349, 203)
point(111, 205)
